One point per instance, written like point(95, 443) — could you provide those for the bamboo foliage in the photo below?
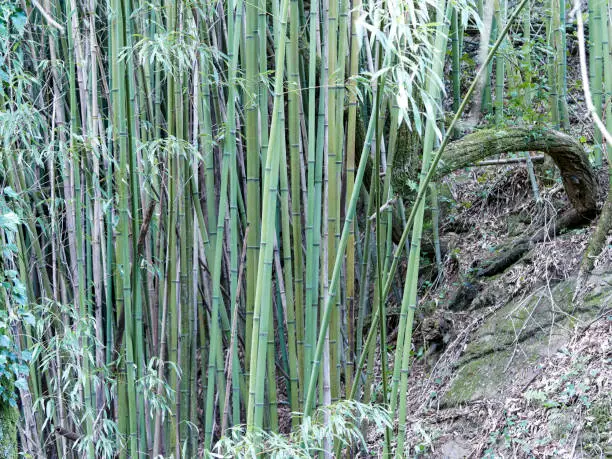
point(195, 202)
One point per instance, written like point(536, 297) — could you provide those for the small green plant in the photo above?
point(540, 397)
point(425, 438)
point(13, 311)
point(338, 426)
point(13, 362)
point(66, 346)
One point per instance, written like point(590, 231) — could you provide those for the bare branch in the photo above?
point(52, 22)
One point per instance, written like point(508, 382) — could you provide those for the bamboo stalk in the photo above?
point(422, 186)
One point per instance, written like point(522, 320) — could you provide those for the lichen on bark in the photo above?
point(8, 431)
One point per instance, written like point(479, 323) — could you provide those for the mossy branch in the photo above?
point(567, 153)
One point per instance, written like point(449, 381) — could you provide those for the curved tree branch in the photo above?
point(567, 153)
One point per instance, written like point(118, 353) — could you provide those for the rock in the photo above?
point(509, 345)
point(464, 295)
point(454, 449)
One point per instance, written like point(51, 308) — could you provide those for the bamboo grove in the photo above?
point(205, 207)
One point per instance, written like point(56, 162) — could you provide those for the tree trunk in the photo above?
point(567, 153)
point(597, 242)
point(8, 431)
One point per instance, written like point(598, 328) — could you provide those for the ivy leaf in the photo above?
point(550, 404)
point(5, 341)
point(10, 192)
point(19, 292)
point(21, 383)
point(19, 20)
point(28, 318)
point(9, 221)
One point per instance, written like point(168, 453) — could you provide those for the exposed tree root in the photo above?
point(517, 248)
point(596, 244)
point(469, 293)
point(569, 156)
point(598, 240)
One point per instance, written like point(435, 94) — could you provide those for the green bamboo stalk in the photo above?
point(123, 244)
point(332, 176)
point(138, 424)
point(339, 88)
point(423, 186)
point(252, 164)
point(285, 279)
point(78, 242)
point(295, 311)
point(608, 70)
point(229, 151)
point(312, 230)
point(596, 70)
point(553, 39)
point(409, 300)
point(329, 299)
point(379, 255)
point(262, 311)
point(363, 281)
point(486, 93)
point(500, 72)
point(456, 59)
point(435, 223)
point(527, 95)
point(350, 181)
point(562, 63)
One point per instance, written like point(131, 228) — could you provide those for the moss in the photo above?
point(8, 431)
point(568, 154)
point(483, 346)
point(480, 371)
point(406, 164)
point(561, 422)
point(593, 301)
point(598, 293)
point(480, 378)
point(516, 225)
point(598, 429)
point(563, 294)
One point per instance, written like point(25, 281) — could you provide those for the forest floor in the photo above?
point(565, 408)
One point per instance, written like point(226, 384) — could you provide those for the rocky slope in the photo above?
point(518, 367)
